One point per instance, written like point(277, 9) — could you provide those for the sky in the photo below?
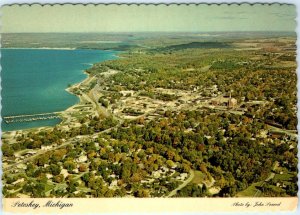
point(144, 18)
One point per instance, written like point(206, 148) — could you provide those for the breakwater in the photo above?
point(30, 117)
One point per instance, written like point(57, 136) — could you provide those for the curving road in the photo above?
point(271, 176)
point(188, 180)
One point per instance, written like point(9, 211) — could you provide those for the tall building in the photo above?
point(232, 103)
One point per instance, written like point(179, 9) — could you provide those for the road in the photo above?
point(291, 133)
point(272, 175)
point(70, 141)
point(188, 180)
point(39, 152)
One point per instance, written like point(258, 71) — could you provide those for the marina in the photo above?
point(31, 117)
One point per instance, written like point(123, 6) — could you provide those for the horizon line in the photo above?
point(82, 32)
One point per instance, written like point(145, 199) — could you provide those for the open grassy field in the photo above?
point(250, 191)
point(199, 177)
point(283, 177)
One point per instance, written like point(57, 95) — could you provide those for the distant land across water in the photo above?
point(38, 67)
point(34, 81)
point(123, 41)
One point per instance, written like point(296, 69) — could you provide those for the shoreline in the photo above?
point(64, 48)
point(69, 90)
point(42, 48)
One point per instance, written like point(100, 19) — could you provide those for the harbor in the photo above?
point(30, 117)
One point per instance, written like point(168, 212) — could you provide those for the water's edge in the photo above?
point(113, 56)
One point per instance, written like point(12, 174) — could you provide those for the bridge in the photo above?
point(30, 117)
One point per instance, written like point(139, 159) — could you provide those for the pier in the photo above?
point(30, 117)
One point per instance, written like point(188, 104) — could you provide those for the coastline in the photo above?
point(62, 112)
point(42, 48)
point(86, 80)
point(68, 89)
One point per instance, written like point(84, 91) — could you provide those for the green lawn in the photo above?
point(250, 191)
point(48, 187)
point(283, 177)
point(277, 189)
point(62, 186)
point(84, 189)
point(199, 177)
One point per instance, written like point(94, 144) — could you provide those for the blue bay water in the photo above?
point(34, 81)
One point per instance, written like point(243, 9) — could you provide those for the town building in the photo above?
point(232, 103)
